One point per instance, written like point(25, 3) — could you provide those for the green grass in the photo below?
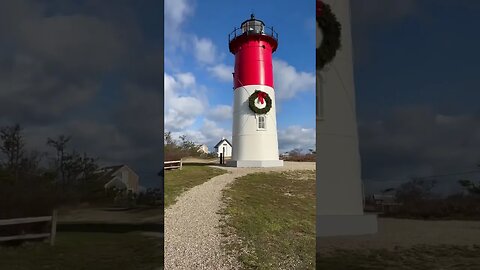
point(273, 218)
point(75, 251)
point(417, 257)
point(178, 181)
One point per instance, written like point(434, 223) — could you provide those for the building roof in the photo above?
point(221, 141)
point(106, 173)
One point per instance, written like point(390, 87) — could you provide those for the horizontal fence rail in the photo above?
point(178, 166)
point(16, 221)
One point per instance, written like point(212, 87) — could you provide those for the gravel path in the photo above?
point(192, 236)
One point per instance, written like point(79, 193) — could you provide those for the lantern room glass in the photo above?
point(253, 26)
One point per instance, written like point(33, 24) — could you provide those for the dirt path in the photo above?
point(192, 233)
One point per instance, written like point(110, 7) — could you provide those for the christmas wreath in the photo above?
point(262, 98)
point(331, 29)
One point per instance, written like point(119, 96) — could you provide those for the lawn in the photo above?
point(75, 251)
point(417, 257)
point(178, 181)
point(272, 218)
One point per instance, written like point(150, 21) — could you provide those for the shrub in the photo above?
point(453, 207)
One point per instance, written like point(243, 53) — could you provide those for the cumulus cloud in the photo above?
point(176, 13)
point(418, 141)
point(205, 51)
point(222, 72)
point(289, 81)
point(296, 137)
point(54, 76)
point(210, 133)
point(220, 113)
point(213, 133)
point(72, 35)
point(181, 107)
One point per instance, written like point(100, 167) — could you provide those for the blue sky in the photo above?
point(198, 67)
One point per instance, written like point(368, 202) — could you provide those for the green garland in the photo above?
point(331, 29)
point(251, 103)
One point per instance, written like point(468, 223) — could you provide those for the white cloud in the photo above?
point(186, 79)
point(176, 12)
point(289, 82)
point(296, 137)
point(222, 72)
point(182, 108)
point(204, 50)
point(213, 132)
point(220, 113)
point(209, 133)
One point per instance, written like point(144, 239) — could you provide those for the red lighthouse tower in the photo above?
point(254, 132)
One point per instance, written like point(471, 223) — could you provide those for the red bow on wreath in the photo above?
point(261, 96)
point(319, 7)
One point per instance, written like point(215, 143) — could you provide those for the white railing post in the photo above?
point(53, 227)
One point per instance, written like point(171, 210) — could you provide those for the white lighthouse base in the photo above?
point(255, 163)
point(346, 225)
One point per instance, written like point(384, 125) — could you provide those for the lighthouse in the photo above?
point(254, 130)
point(339, 184)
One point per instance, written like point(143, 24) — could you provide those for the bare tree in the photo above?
point(60, 145)
point(470, 186)
point(295, 152)
point(12, 145)
point(415, 190)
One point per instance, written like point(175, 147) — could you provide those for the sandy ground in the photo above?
point(405, 232)
point(200, 160)
point(192, 235)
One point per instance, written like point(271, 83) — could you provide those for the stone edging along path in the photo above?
point(192, 234)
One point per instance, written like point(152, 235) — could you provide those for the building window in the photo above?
point(261, 122)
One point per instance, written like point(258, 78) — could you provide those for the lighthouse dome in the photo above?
point(253, 26)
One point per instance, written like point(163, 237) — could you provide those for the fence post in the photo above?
point(181, 162)
point(53, 228)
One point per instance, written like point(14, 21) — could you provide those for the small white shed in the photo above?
point(225, 147)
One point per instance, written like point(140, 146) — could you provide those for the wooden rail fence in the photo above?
point(177, 164)
point(51, 235)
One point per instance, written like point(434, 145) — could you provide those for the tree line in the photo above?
point(184, 147)
point(32, 182)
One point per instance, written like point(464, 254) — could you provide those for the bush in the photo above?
point(152, 197)
point(453, 207)
point(298, 155)
point(176, 150)
point(27, 197)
